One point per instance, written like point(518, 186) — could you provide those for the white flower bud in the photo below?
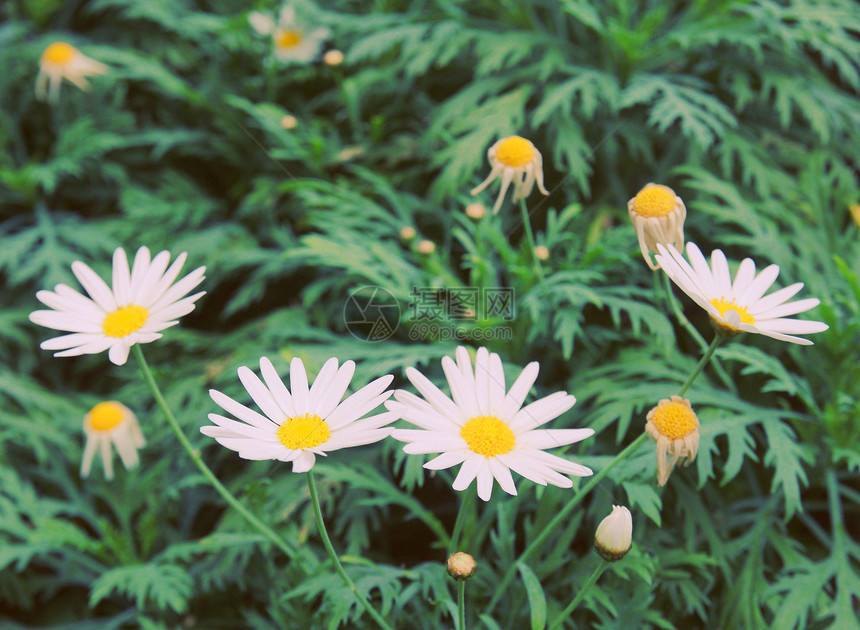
point(614, 534)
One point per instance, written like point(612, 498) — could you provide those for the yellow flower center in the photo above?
point(305, 431)
point(488, 436)
point(288, 39)
point(723, 307)
point(654, 201)
point(105, 416)
point(124, 320)
point(673, 419)
point(515, 151)
point(59, 53)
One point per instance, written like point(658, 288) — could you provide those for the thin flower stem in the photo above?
point(315, 502)
point(531, 239)
point(688, 326)
point(465, 506)
point(701, 364)
point(264, 529)
point(556, 521)
point(582, 591)
point(461, 604)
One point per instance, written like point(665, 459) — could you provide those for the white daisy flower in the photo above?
point(291, 42)
point(737, 305)
point(63, 61)
point(658, 216)
point(516, 160)
point(142, 302)
point(484, 429)
point(111, 423)
point(300, 423)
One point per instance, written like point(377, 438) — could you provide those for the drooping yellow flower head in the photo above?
point(674, 426)
point(516, 160)
point(59, 61)
point(109, 423)
point(658, 215)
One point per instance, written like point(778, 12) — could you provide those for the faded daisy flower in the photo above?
point(141, 303)
point(737, 305)
point(674, 426)
point(658, 216)
point(63, 61)
point(111, 423)
point(516, 160)
point(300, 422)
point(291, 42)
point(485, 428)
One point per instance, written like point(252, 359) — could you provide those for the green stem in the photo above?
point(582, 591)
point(701, 364)
point(465, 505)
point(688, 326)
point(461, 604)
point(531, 238)
point(261, 527)
point(315, 501)
point(558, 518)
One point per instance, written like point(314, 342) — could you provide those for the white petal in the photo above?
point(468, 472)
point(277, 388)
point(147, 280)
point(319, 391)
point(519, 390)
point(463, 394)
point(304, 462)
point(541, 411)
point(447, 460)
point(485, 481)
point(241, 411)
point(434, 396)
point(299, 386)
point(118, 353)
point(95, 286)
point(482, 381)
point(502, 474)
point(789, 308)
point(121, 277)
point(431, 444)
point(743, 277)
point(777, 297)
point(543, 438)
point(760, 285)
point(65, 321)
point(261, 396)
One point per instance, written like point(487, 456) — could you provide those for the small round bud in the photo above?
point(541, 252)
point(476, 211)
point(289, 122)
point(333, 58)
point(461, 566)
point(426, 247)
point(407, 233)
point(614, 534)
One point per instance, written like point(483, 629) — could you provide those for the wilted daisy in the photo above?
point(111, 423)
point(300, 423)
point(291, 42)
point(484, 428)
point(63, 61)
point(674, 426)
point(614, 535)
point(516, 160)
point(142, 302)
point(658, 216)
point(737, 305)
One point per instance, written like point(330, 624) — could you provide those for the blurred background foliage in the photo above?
point(748, 108)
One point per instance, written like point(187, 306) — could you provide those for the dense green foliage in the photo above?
point(748, 108)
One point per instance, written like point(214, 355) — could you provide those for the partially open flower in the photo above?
point(658, 215)
point(111, 423)
point(63, 61)
point(516, 160)
point(291, 41)
point(674, 426)
point(614, 534)
point(461, 566)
